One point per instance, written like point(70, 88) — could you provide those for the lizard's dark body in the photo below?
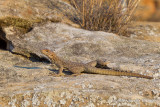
point(78, 68)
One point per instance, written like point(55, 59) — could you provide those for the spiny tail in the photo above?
point(115, 73)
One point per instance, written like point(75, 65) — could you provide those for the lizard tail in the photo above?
point(115, 73)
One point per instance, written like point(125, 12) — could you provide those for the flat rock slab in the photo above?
point(28, 82)
point(33, 87)
point(83, 46)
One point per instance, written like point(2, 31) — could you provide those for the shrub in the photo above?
point(105, 15)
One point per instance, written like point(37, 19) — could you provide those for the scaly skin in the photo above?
point(78, 68)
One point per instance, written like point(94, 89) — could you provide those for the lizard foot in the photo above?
point(60, 74)
point(73, 75)
point(57, 75)
point(76, 74)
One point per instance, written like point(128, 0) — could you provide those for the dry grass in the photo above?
point(104, 15)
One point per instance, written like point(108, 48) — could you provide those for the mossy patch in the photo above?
point(25, 24)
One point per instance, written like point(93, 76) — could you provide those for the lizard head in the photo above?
point(48, 53)
point(51, 55)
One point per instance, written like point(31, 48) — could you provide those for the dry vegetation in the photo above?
point(105, 15)
point(20, 23)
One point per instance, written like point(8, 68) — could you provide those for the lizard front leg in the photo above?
point(60, 72)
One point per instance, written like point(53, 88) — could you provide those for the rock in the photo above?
point(25, 78)
point(28, 82)
point(83, 46)
point(20, 86)
point(53, 10)
point(13, 68)
point(149, 31)
point(24, 14)
point(49, 39)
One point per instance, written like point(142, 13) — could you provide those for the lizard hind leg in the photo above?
point(76, 70)
point(102, 62)
point(92, 63)
point(98, 62)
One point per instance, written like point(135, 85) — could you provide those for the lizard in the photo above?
point(77, 68)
